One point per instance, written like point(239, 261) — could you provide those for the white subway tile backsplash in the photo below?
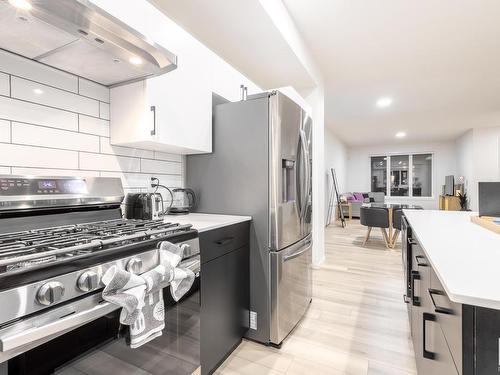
point(93, 90)
point(63, 130)
point(107, 148)
point(92, 125)
point(53, 172)
point(104, 110)
point(109, 163)
point(4, 84)
point(167, 157)
point(143, 181)
point(29, 156)
point(54, 138)
point(20, 111)
point(26, 68)
point(4, 131)
point(46, 95)
point(157, 166)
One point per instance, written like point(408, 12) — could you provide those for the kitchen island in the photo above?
point(452, 291)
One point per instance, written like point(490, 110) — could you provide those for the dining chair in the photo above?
point(375, 217)
point(397, 215)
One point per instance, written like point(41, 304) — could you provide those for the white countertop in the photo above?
point(204, 222)
point(464, 255)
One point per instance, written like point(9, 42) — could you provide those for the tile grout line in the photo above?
point(51, 107)
point(58, 88)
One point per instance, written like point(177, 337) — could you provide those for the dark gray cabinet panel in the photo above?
point(449, 316)
point(225, 292)
point(220, 241)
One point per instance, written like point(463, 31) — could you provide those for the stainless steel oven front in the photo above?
point(99, 346)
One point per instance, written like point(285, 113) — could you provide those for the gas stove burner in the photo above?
point(41, 246)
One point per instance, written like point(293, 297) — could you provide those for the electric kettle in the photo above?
point(184, 201)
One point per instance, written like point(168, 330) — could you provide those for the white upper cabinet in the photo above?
point(181, 121)
point(171, 113)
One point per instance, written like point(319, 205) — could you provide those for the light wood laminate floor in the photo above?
point(357, 323)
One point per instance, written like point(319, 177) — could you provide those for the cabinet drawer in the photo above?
point(217, 242)
point(420, 277)
point(436, 356)
point(449, 316)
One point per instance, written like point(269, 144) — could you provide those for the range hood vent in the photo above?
point(78, 37)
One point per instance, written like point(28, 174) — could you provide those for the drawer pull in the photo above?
point(420, 264)
point(431, 318)
point(224, 241)
point(439, 309)
point(415, 275)
point(411, 241)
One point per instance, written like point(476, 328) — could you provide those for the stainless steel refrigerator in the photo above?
point(261, 166)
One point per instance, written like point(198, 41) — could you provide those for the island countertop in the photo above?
point(464, 255)
point(204, 222)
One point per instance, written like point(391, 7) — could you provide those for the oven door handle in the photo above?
point(19, 339)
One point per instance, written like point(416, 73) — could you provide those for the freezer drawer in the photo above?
point(291, 287)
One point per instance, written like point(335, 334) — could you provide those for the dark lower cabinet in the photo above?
point(224, 292)
point(448, 338)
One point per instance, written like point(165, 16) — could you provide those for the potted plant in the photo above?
point(464, 201)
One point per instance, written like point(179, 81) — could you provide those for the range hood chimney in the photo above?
point(80, 38)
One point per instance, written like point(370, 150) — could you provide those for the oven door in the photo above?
point(99, 346)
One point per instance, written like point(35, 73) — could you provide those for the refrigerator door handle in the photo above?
point(305, 161)
point(298, 252)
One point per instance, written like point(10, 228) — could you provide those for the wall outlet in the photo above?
point(253, 320)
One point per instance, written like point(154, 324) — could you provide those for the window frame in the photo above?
point(410, 173)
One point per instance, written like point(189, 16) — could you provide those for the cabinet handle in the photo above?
point(411, 241)
point(420, 264)
point(439, 309)
point(415, 275)
point(431, 318)
point(224, 241)
point(153, 109)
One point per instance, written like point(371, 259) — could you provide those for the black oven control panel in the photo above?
point(42, 186)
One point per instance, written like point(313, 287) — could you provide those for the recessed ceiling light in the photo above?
point(384, 102)
point(20, 4)
point(38, 91)
point(400, 134)
point(134, 60)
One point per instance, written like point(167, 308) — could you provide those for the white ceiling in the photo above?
point(438, 60)
point(241, 32)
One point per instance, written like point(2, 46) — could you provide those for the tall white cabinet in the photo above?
point(172, 112)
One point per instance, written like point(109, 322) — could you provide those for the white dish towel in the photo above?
point(141, 297)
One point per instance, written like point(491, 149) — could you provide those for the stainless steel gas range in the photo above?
point(58, 236)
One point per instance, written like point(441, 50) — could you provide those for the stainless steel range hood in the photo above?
point(78, 37)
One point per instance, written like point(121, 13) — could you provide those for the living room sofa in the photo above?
point(357, 199)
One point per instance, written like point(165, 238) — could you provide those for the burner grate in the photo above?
point(30, 248)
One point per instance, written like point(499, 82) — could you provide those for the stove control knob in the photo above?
point(134, 265)
point(88, 281)
point(50, 293)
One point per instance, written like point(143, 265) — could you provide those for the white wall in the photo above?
point(64, 130)
point(335, 157)
point(444, 159)
point(478, 155)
